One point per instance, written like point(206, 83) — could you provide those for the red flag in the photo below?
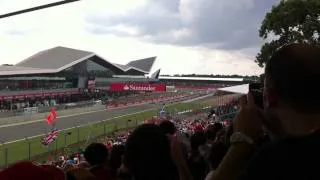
point(52, 116)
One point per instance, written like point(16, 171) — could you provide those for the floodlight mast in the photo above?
point(37, 8)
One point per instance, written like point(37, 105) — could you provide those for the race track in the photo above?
point(10, 133)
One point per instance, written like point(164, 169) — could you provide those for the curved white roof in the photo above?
point(59, 58)
point(240, 89)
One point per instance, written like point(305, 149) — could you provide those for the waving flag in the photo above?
point(52, 116)
point(51, 137)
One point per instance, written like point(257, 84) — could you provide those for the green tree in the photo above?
point(291, 21)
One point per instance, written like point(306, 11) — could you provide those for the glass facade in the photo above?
point(21, 85)
point(68, 78)
point(96, 70)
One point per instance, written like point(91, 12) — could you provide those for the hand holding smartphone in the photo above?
point(256, 89)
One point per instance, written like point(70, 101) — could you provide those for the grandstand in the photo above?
point(64, 75)
point(199, 83)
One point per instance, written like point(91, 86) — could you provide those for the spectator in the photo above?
point(116, 159)
point(96, 155)
point(212, 130)
point(218, 151)
point(27, 170)
point(168, 127)
point(197, 163)
point(148, 154)
point(292, 116)
point(297, 109)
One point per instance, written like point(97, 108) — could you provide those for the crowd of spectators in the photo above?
point(110, 152)
point(280, 141)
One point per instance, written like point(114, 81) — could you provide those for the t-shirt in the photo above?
point(291, 158)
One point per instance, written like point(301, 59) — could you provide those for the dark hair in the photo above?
point(148, 154)
point(116, 156)
point(212, 130)
point(96, 154)
point(168, 127)
point(196, 140)
point(293, 72)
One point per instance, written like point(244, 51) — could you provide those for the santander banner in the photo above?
point(137, 87)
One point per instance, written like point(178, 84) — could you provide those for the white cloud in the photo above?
point(26, 34)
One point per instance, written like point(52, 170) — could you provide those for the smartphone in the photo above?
point(256, 89)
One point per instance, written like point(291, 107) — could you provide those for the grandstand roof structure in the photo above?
point(60, 58)
point(200, 78)
point(240, 89)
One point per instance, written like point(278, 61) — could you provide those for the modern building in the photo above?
point(65, 74)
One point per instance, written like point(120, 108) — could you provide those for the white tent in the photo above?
point(240, 89)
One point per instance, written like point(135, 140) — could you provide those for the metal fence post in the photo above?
point(65, 139)
point(56, 146)
point(4, 152)
point(78, 134)
point(29, 148)
point(5, 156)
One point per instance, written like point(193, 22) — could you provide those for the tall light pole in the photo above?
point(36, 8)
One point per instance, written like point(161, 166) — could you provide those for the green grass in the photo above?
point(80, 136)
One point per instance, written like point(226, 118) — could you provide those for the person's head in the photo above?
point(96, 154)
point(196, 140)
point(212, 130)
point(148, 154)
point(291, 90)
point(116, 156)
point(168, 127)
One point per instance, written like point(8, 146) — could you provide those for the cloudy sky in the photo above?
point(187, 36)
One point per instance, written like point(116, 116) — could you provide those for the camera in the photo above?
point(256, 89)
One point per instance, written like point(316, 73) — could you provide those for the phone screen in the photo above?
point(256, 89)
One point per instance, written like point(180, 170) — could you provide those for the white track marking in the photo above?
point(71, 115)
point(83, 125)
point(42, 120)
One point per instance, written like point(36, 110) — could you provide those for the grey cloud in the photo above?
point(216, 23)
point(15, 32)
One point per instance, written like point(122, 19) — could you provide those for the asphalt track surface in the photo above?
point(21, 131)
